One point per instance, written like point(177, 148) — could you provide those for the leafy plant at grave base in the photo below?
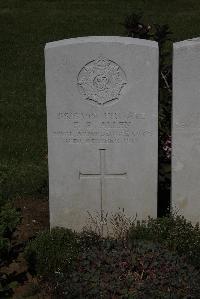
point(121, 224)
point(52, 251)
point(145, 265)
point(116, 224)
point(174, 232)
point(9, 218)
point(108, 269)
point(135, 27)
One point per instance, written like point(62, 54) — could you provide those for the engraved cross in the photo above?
point(102, 174)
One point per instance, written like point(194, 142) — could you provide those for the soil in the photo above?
point(35, 218)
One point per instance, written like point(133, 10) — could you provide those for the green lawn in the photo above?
point(25, 27)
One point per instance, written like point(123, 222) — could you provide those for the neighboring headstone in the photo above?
point(102, 95)
point(186, 129)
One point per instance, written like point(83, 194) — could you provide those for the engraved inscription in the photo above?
point(79, 127)
point(100, 81)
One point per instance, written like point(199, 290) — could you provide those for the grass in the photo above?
point(25, 27)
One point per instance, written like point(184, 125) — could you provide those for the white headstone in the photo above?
point(102, 95)
point(186, 129)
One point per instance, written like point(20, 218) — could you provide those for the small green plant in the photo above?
point(174, 232)
point(9, 218)
point(121, 224)
point(114, 224)
point(52, 251)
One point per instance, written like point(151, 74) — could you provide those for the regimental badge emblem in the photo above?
point(101, 81)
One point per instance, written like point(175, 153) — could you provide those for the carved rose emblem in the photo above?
point(101, 81)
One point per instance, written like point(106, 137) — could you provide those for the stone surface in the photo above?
point(186, 129)
point(102, 95)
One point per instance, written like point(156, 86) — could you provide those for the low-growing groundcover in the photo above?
point(90, 266)
point(19, 222)
point(111, 270)
point(9, 218)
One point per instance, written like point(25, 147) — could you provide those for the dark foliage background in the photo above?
point(137, 28)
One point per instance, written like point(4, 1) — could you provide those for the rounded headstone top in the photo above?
point(186, 43)
point(102, 39)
